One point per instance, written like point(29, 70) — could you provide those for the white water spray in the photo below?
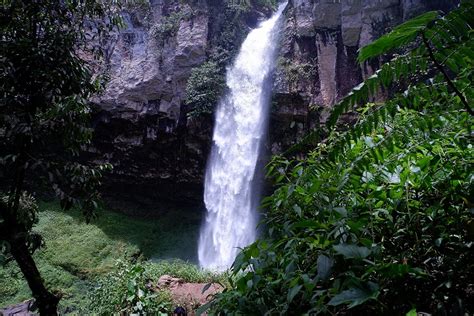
point(230, 197)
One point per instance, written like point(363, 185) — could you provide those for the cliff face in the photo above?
point(140, 122)
point(140, 126)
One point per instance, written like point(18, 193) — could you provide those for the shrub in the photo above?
point(130, 287)
point(168, 25)
point(204, 88)
point(127, 290)
point(27, 215)
point(246, 5)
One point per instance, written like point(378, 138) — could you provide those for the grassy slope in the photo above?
point(76, 253)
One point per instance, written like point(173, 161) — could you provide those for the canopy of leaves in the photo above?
point(49, 52)
point(377, 219)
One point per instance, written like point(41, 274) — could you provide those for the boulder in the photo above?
point(22, 309)
point(189, 295)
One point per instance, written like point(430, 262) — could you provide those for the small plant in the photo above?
point(127, 290)
point(296, 72)
point(243, 6)
point(168, 26)
point(239, 5)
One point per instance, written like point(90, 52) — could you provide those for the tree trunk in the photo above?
point(47, 302)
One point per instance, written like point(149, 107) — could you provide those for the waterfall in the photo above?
point(230, 196)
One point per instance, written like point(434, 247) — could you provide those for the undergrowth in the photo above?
point(78, 259)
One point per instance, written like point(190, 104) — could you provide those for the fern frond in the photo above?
point(450, 35)
point(398, 37)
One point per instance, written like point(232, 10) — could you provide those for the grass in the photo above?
point(183, 270)
point(77, 254)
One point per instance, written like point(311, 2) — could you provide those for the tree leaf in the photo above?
point(206, 287)
point(308, 224)
point(292, 293)
point(297, 209)
point(356, 296)
point(400, 36)
point(203, 308)
point(412, 313)
point(324, 267)
point(352, 251)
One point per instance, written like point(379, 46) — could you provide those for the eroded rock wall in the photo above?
point(140, 121)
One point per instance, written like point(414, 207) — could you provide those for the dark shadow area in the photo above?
point(168, 234)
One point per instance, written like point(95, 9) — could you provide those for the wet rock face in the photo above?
point(22, 309)
point(140, 121)
point(317, 62)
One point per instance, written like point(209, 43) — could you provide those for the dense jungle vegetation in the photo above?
point(376, 219)
point(52, 57)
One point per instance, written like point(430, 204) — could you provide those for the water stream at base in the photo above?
point(230, 194)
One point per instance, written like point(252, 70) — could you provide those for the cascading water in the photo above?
point(240, 126)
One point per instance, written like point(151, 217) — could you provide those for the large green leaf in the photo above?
point(293, 291)
point(412, 312)
point(352, 251)
point(203, 308)
point(325, 265)
point(399, 37)
point(356, 295)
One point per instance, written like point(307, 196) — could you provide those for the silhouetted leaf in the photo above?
point(356, 296)
point(352, 251)
point(293, 291)
point(324, 266)
point(206, 287)
point(400, 36)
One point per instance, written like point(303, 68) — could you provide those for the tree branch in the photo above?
point(445, 74)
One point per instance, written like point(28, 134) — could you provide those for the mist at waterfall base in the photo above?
point(231, 193)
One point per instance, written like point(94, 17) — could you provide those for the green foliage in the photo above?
point(74, 271)
point(247, 5)
point(270, 4)
point(447, 43)
point(377, 219)
point(27, 209)
point(44, 110)
point(207, 81)
point(204, 88)
point(48, 52)
point(296, 73)
point(27, 215)
point(130, 288)
point(70, 270)
point(399, 37)
point(168, 26)
point(46, 86)
point(183, 270)
point(239, 5)
point(127, 290)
